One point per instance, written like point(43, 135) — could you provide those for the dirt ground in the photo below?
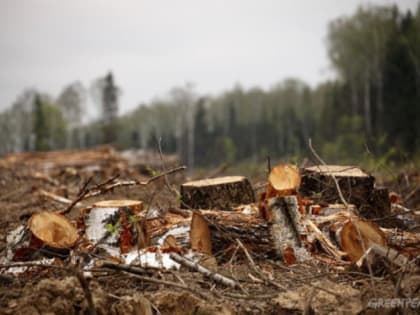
point(318, 286)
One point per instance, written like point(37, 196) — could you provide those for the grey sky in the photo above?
point(154, 45)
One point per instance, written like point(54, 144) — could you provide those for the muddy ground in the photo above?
point(319, 285)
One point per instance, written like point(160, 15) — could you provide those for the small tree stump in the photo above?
point(112, 225)
point(287, 229)
point(222, 193)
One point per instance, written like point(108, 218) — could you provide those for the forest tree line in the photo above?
point(372, 106)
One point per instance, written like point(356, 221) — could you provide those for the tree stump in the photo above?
point(222, 193)
point(357, 186)
point(287, 229)
point(112, 225)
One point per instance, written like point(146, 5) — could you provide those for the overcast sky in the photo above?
point(154, 45)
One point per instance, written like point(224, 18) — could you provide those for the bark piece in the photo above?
point(356, 185)
point(53, 229)
point(200, 234)
point(217, 193)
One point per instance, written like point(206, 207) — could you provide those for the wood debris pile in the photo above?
point(334, 215)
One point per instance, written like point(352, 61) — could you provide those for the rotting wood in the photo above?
point(217, 193)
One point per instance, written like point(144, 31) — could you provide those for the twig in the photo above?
point(54, 197)
point(30, 264)
point(340, 194)
point(158, 281)
point(84, 187)
point(308, 310)
point(106, 186)
point(122, 267)
point(86, 290)
point(256, 269)
point(197, 267)
point(77, 200)
point(324, 241)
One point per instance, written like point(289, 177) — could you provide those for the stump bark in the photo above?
point(222, 193)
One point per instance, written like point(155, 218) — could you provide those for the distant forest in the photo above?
point(372, 107)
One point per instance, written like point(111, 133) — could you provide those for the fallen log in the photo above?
point(226, 226)
point(401, 239)
point(217, 193)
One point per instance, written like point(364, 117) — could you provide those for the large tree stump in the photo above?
point(217, 193)
point(357, 186)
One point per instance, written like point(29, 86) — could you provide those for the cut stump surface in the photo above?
point(222, 193)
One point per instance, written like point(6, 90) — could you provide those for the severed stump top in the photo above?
point(215, 181)
point(337, 170)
